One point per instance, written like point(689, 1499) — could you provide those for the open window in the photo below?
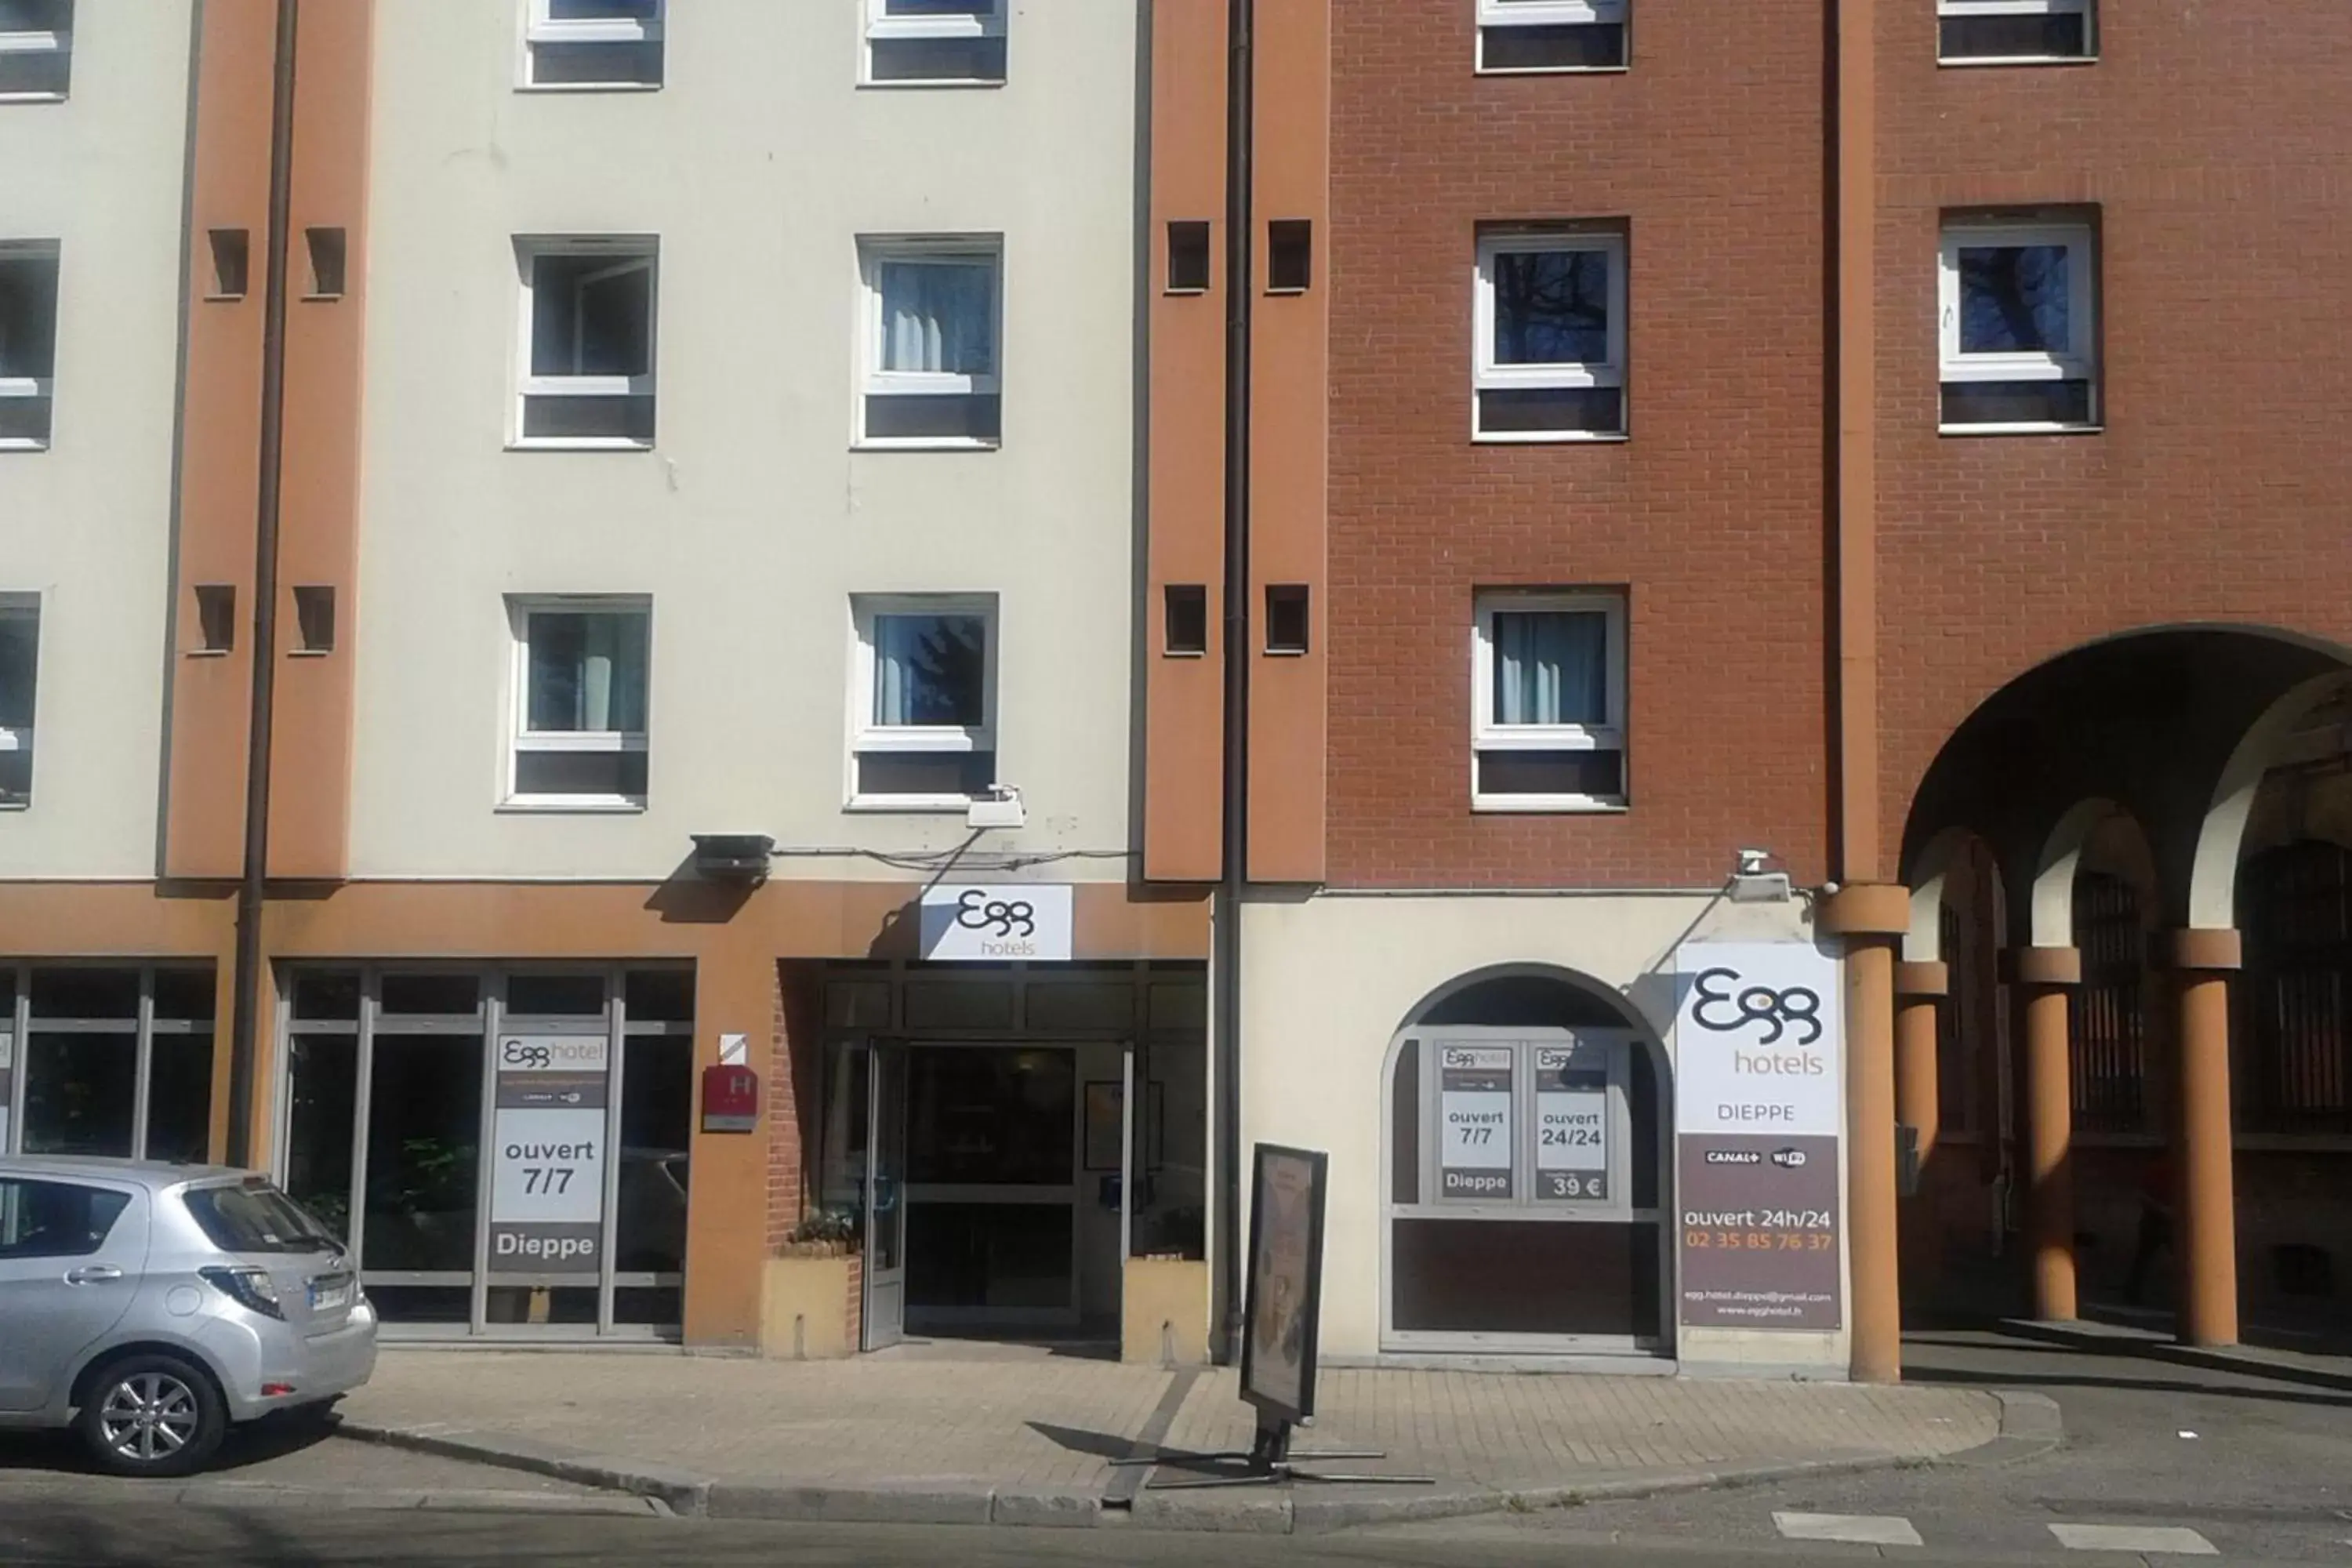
point(20, 642)
point(934, 43)
point(2014, 32)
point(28, 342)
point(2019, 333)
point(1530, 36)
point(924, 730)
point(35, 49)
point(592, 43)
point(1550, 315)
point(580, 691)
point(932, 314)
point(587, 342)
point(1548, 697)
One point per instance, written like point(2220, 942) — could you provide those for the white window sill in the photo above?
point(1556, 804)
point(316, 298)
point(923, 444)
point(32, 97)
point(580, 444)
point(17, 444)
point(2021, 429)
point(207, 653)
point(1552, 71)
point(1548, 437)
point(908, 803)
point(15, 805)
point(559, 805)
point(588, 87)
point(934, 83)
point(1965, 62)
point(309, 652)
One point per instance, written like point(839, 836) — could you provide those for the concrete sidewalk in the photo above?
point(969, 1434)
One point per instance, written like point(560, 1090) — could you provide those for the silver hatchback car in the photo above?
point(150, 1306)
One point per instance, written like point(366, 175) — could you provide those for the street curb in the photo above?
point(2100, 1339)
point(2030, 1424)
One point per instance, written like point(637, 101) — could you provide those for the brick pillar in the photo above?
point(2043, 979)
point(1919, 993)
point(1872, 917)
point(2205, 1244)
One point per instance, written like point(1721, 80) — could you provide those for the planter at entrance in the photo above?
point(811, 1303)
point(1164, 1311)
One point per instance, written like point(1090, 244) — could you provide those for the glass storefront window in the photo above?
point(70, 1077)
point(406, 1127)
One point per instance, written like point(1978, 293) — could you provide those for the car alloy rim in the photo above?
point(149, 1417)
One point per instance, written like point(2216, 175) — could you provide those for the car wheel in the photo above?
point(152, 1415)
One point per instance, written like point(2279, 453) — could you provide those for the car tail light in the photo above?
point(248, 1287)
point(275, 1390)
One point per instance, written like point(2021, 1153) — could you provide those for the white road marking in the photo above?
point(2170, 1539)
point(1860, 1529)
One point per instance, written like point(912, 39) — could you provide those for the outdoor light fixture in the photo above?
point(1752, 884)
point(1000, 807)
point(733, 856)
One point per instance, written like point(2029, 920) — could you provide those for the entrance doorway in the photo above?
point(979, 1222)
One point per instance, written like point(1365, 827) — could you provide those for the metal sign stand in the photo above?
point(1269, 1461)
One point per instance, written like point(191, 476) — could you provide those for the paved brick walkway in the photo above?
point(1040, 1430)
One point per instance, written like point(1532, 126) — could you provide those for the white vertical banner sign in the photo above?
point(1473, 1114)
point(7, 1078)
point(546, 1177)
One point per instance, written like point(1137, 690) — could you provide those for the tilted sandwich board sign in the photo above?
point(1760, 1056)
point(547, 1179)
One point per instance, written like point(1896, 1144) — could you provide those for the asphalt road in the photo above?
point(2267, 1476)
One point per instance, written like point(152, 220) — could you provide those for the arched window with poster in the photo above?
point(1525, 1177)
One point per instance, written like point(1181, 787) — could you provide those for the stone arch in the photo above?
point(2050, 896)
point(2221, 836)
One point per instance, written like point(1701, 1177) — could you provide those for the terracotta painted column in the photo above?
point(2045, 979)
point(1871, 918)
point(2206, 1245)
point(1919, 992)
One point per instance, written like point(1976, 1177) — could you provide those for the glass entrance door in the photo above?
point(885, 1315)
point(991, 1225)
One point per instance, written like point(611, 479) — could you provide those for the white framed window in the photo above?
point(1550, 323)
point(606, 44)
point(36, 50)
point(2015, 32)
point(934, 43)
point(923, 700)
point(1520, 36)
point(586, 355)
point(2019, 327)
point(20, 666)
point(933, 324)
point(28, 342)
point(580, 692)
point(1548, 701)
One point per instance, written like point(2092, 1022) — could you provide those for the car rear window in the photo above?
point(255, 1219)
point(55, 1219)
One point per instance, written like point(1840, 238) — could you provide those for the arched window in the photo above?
point(1526, 1173)
point(2295, 905)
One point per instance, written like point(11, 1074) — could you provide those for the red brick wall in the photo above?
point(1712, 148)
point(792, 1086)
point(2212, 141)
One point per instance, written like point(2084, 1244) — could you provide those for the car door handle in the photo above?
point(95, 1274)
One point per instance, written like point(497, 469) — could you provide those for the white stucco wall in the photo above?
point(87, 524)
point(1329, 981)
point(758, 164)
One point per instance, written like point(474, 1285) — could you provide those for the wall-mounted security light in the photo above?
point(1752, 881)
point(1001, 807)
point(733, 856)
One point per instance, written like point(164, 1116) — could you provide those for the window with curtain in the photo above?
point(580, 735)
point(20, 639)
point(588, 372)
point(931, 376)
point(1549, 702)
point(2019, 344)
point(926, 730)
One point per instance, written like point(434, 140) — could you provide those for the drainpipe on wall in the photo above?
point(1225, 950)
point(245, 1025)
